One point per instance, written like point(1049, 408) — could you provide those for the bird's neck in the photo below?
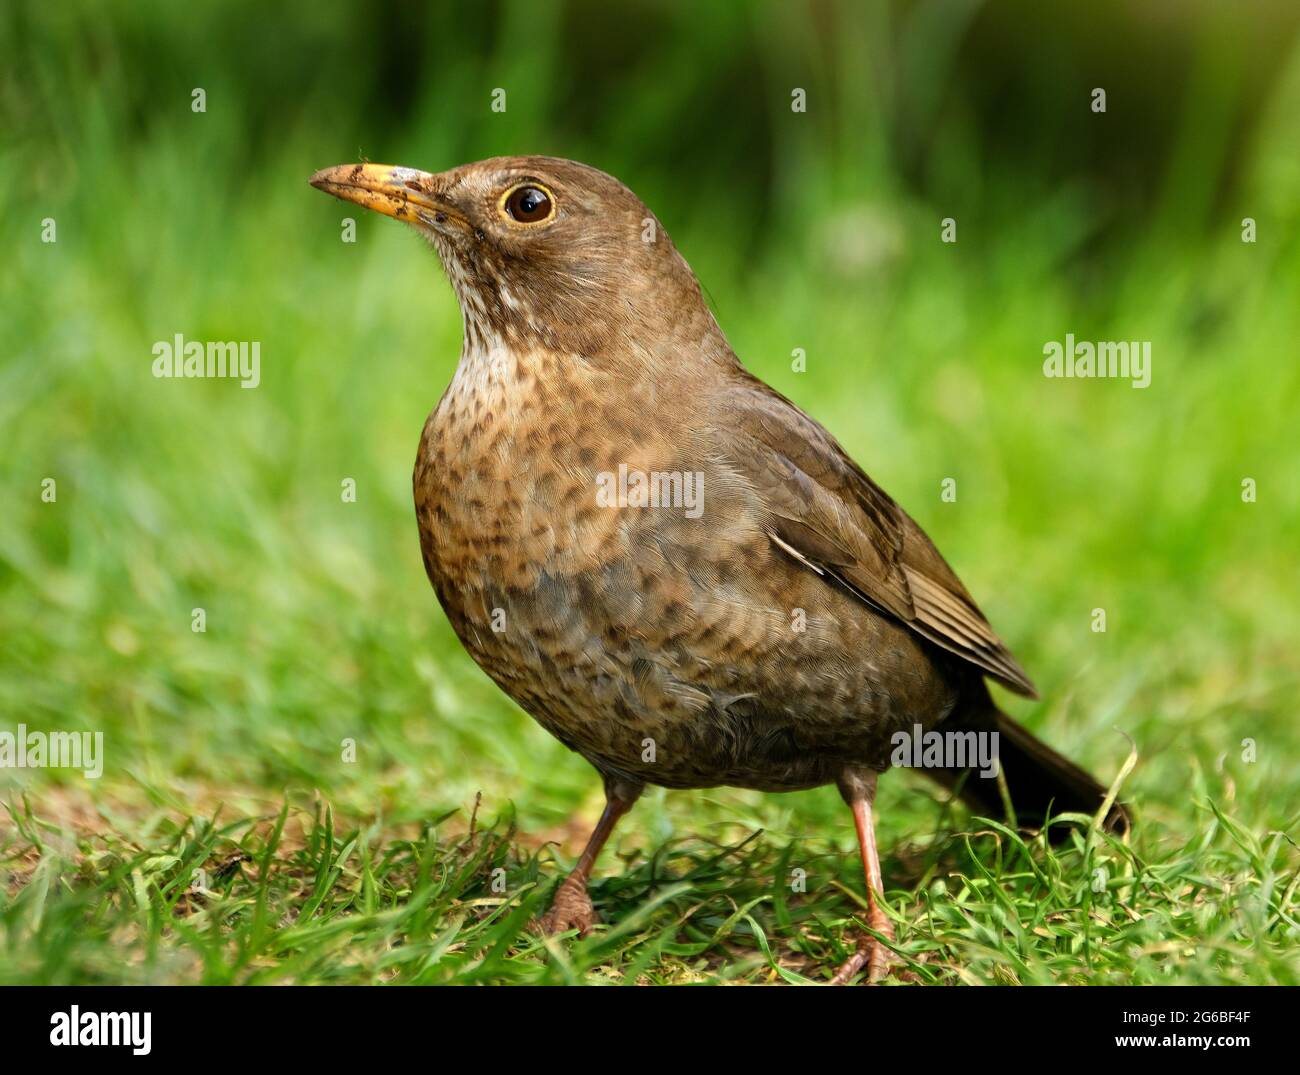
point(488, 369)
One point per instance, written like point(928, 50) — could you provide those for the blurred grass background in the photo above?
point(816, 230)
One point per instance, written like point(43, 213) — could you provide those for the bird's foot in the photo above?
point(875, 955)
point(570, 909)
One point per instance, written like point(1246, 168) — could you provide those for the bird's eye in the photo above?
point(529, 205)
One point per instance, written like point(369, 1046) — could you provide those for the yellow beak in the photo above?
point(402, 193)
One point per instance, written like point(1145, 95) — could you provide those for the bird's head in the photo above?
point(540, 250)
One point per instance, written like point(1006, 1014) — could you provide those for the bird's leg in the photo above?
point(858, 787)
point(571, 908)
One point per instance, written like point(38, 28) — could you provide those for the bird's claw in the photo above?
point(570, 909)
point(874, 954)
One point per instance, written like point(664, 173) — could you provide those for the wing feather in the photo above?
point(825, 512)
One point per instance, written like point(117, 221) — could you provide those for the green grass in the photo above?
point(225, 748)
point(290, 898)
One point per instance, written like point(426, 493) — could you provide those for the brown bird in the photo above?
point(672, 568)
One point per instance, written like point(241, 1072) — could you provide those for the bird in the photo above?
point(670, 566)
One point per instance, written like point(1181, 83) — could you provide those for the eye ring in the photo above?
point(528, 202)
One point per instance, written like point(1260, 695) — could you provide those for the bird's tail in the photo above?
point(1039, 780)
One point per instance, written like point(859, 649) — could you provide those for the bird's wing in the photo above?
point(825, 512)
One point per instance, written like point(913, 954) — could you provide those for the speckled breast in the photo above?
point(664, 645)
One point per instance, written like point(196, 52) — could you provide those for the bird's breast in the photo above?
point(543, 578)
point(506, 479)
point(616, 623)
